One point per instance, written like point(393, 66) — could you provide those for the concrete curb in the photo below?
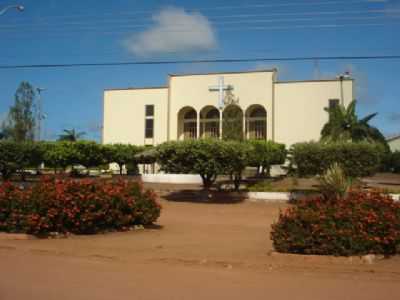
point(285, 196)
point(17, 236)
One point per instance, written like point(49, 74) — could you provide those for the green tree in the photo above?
point(70, 135)
point(89, 154)
point(206, 157)
point(344, 126)
point(235, 158)
point(20, 123)
point(264, 154)
point(59, 155)
point(122, 154)
point(232, 123)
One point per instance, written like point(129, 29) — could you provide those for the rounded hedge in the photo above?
point(360, 223)
point(75, 206)
point(356, 159)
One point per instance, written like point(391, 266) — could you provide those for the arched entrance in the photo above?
point(209, 122)
point(256, 122)
point(187, 123)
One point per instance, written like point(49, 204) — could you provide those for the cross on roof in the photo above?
point(221, 87)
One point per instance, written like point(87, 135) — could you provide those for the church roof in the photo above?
point(229, 72)
point(393, 137)
point(137, 88)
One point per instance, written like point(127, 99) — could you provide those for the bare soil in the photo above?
point(196, 251)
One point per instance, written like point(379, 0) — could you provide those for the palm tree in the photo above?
point(344, 125)
point(70, 135)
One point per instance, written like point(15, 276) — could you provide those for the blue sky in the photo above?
point(60, 31)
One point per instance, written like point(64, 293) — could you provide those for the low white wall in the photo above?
point(283, 197)
point(172, 178)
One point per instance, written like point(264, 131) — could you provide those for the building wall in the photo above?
point(124, 115)
point(394, 144)
point(299, 108)
point(296, 107)
point(193, 90)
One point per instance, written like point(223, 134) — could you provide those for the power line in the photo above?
point(150, 12)
point(389, 13)
point(201, 61)
point(124, 31)
point(131, 25)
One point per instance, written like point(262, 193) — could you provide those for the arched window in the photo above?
point(256, 122)
point(209, 122)
point(190, 124)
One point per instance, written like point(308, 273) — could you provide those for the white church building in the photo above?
point(193, 106)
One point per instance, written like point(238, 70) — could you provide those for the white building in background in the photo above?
point(394, 142)
point(194, 105)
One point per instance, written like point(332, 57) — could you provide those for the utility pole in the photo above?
point(39, 116)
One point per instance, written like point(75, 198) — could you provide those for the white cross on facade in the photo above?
point(221, 87)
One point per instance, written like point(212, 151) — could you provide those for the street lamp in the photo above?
point(19, 8)
point(40, 116)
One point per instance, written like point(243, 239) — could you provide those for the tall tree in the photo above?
point(232, 123)
point(70, 135)
point(344, 125)
point(20, 123)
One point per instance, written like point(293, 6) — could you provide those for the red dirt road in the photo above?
point(202, 251)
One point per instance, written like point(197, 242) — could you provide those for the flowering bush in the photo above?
point(361, 223)
point(80, 207)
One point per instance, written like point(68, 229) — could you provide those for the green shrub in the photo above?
point(89, 154)
point(17, 156)
point(234, 158)
point(391, 162)
point(75, 206)
point(334, 183)
point(264, 154)
point(206, 157)
point(192, 157)
point(395, 161)
point(122, 154)
point(360, 223)
point(10, 158)
point(356, 159)
point(60, 155)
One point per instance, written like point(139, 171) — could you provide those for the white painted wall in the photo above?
point(124, 115)
point(296, 107)
point(299, 108)
point(394, 144)
point(193, 90)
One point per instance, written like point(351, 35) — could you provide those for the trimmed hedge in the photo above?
point(72, 206)
point(356, 159)
point(392, 162)
point(264, 154)
point(361, 223)
point(19, 156)
point(122, 154)
point(203, 157)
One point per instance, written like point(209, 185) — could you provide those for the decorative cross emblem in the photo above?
point(221, 87)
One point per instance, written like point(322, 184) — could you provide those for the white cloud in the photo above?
point(174, 30)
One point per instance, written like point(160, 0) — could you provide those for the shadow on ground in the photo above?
point(202, 196)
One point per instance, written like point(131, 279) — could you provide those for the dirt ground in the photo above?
point(196, 251)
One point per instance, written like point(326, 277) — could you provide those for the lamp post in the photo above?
point(19, 8)
point(40, 116)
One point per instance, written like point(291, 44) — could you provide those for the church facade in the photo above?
point(196, 106)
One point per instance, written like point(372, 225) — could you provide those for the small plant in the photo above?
point(75, 206)
point(334, 183)
point(357, 224)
